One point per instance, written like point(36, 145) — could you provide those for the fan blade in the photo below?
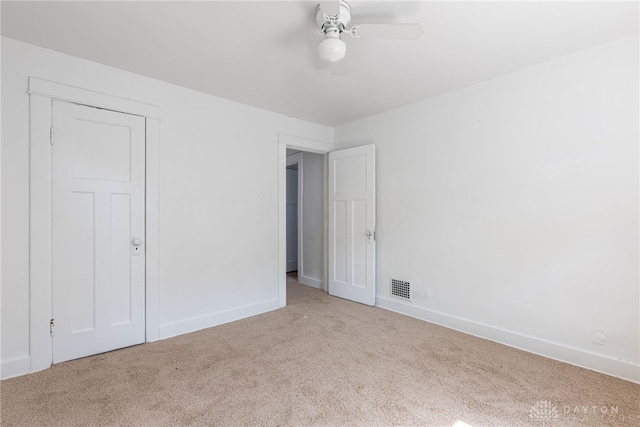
point(330, 8)
point(339, 68)
point(388, 31)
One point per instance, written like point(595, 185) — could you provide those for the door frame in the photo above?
point(303, 144)
point(41, 95)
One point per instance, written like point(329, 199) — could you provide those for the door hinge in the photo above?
point(52, 134)
point(51, 327)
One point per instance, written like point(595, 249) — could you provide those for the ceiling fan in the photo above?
point(334, 18)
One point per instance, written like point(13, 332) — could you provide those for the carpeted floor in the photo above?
point(319, 361)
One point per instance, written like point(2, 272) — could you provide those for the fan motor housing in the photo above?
point(342, 20)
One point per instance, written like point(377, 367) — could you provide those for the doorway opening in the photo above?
point(348, 218)
point(291, 145)
point(305, 217)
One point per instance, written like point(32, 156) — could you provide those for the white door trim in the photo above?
point(41, 96)
point(77, 95)
point(304, 144)
point(294, 159)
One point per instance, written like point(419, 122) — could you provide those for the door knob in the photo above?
point(136, 242)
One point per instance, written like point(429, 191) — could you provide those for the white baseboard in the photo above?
point(209, 320)
point(310, 281)
point(15, 367)
point(575, 356)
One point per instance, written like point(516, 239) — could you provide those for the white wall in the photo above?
point(312, 273)
point(512, 207)
point(214, 216)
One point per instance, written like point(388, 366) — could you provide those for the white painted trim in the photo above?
point(325, 222)
point(15, 367)
point(42, 93)
point(300, 205)
point(209, 320)
point(40, 215)
point(78, 95)
point(553, 350)
point(282, 225)
point(152, 230)
point(294, 158)
point(1, 258)
point(304, 144)
point(311, 281)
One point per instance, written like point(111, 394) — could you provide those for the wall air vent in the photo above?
point(401, 289)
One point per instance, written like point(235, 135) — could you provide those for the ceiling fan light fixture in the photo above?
point(332, 49)
point(334, 19)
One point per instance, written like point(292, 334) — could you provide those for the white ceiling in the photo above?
point(264, 53)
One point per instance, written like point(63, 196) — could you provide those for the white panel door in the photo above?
point(352, 222)
point(98, 230)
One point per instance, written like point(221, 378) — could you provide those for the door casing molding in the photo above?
point(41, 95)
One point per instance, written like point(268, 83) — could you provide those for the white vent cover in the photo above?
point(401, 289)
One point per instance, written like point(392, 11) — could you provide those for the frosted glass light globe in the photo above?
point(332, 49)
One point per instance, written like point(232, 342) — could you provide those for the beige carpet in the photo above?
point(319, 361)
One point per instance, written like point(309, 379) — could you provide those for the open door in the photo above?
point(351, 197)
